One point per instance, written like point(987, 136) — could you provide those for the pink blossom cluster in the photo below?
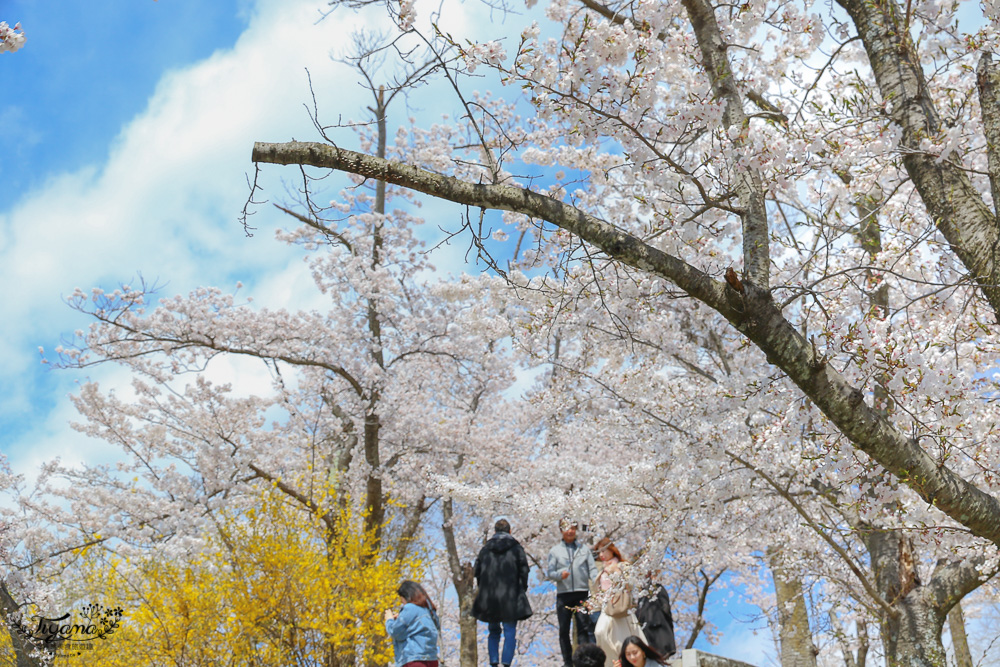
point(491, 53)
point(407, 14)
point(11, 39)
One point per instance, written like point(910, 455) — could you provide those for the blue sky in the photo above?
point(91, 67)
point(125, 130)
point(85, 72)
point(126, 147)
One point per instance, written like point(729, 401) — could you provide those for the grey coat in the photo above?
point(581, 570)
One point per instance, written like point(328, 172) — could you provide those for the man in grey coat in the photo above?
point(571, 566)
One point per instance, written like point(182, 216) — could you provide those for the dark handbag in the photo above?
point(657, 622)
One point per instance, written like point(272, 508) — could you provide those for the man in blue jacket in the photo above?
point(571, 566)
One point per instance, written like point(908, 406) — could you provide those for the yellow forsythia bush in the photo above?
point(275, 585)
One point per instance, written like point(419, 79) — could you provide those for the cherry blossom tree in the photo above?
point(548, 68)
point(754, 493)
point(749, 466)
point(801, 194)
point(383, 384)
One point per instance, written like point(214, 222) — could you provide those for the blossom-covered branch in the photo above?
point(752, 311)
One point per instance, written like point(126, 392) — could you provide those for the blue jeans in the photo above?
point(509, 643)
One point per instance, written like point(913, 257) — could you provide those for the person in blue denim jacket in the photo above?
point(414, 628)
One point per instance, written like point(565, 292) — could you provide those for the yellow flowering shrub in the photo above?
point(275, 585)
point(7, 655)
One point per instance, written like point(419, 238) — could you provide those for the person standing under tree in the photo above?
point(502, 599)
point(617, 620)
point(572, 567)
point(414, 628)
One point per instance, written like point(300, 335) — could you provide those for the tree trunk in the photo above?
point(21, 644)
point(916, 611)
point(467, 628)
point(374, 508)
point(797, 648)
point(463, 578)
point(911, 626)
point(912, 635)
point(374, 500)
point(959, 640)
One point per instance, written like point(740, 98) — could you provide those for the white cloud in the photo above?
point(163, 203)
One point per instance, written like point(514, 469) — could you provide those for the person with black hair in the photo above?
point(589, 655)
point(502, 598)
point(637, 653)
point(657, 621)
point(414, 628)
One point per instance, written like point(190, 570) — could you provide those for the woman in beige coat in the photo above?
point(615, 624)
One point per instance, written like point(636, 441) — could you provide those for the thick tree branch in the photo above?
point(613, 241)
point(988, 82)
point(951, 199)
point(752, 311)
point(953, 580)
point(756, 251)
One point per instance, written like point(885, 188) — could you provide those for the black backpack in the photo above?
point(657, 622)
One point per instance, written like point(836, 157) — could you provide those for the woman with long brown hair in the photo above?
point(414, 628)
point(617, 620)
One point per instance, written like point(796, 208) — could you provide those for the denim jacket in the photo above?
point(414, 634)
point(581, 570)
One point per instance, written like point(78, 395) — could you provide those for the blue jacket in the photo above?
point(414, 634)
